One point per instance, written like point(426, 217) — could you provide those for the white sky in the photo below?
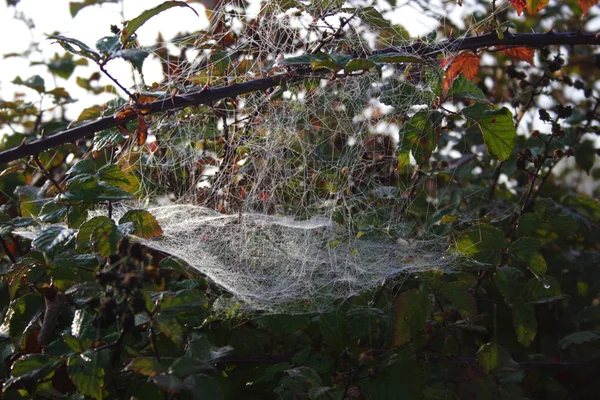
point(89, 25)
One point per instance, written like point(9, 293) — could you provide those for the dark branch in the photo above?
point(209, 95)
point(184, 100)
point(536, 40)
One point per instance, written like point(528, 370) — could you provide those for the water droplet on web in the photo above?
point(545, 283)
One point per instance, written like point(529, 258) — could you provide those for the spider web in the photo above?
point(295, 198)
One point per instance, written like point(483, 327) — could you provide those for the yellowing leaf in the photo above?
point(535, 6)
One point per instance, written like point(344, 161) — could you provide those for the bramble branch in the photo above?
point(536, 40)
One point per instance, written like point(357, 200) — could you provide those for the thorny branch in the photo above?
point(536, 40)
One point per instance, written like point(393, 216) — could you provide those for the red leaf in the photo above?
point(467, 63)
point(586, 5)
point(520, 53)
point(518, 5)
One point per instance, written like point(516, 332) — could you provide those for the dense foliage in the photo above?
point(89, 311)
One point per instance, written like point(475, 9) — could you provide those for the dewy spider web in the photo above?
point(291, 200)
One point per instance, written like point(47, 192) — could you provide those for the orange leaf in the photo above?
point(142, 131)
point(586, 5)
point(518, 5)
point(125, 114)
point(467, 63)
point(520, 53)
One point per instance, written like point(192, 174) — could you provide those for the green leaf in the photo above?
point(63, 66)
point(52, 212)
point(495, 358)
point(302, 60)
point(498, 129)
point(588, 314)
point(363, 322)
point(146, 366)
point(284, 324)
point(76, 6)
point(509, 282)
point(333, 329)
point(555, 216)
point(130, 27)
point(101, 233)
point(87, 373)
point(135, 56)
point(371, 17)
point(107, 138)
point(544, 290)
point(35, 82)
point(578, 338)
point(29, 202)
point(525, 251)
point(463, 301)
point(109, 45)
point(21, 313)
point(84, 187)
point(30, 369)
point(51, 238)
point(585, 155)
point(184, 301)
point(76, 47)
point(146, 225)
point(207, 387)
point(528, 224)
point(422, 133)
point(169, 383)
point(185, 366)
point(525, 323)
point(402, 379)
point(90, 113)
point(34, 362)
point(358, 64)
point(404, 93)
point(169, 325)
point(412, 311)
point(105, 238)
point(462, 88)
point(324, 61)
point(113, 175)
point(483, 243)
